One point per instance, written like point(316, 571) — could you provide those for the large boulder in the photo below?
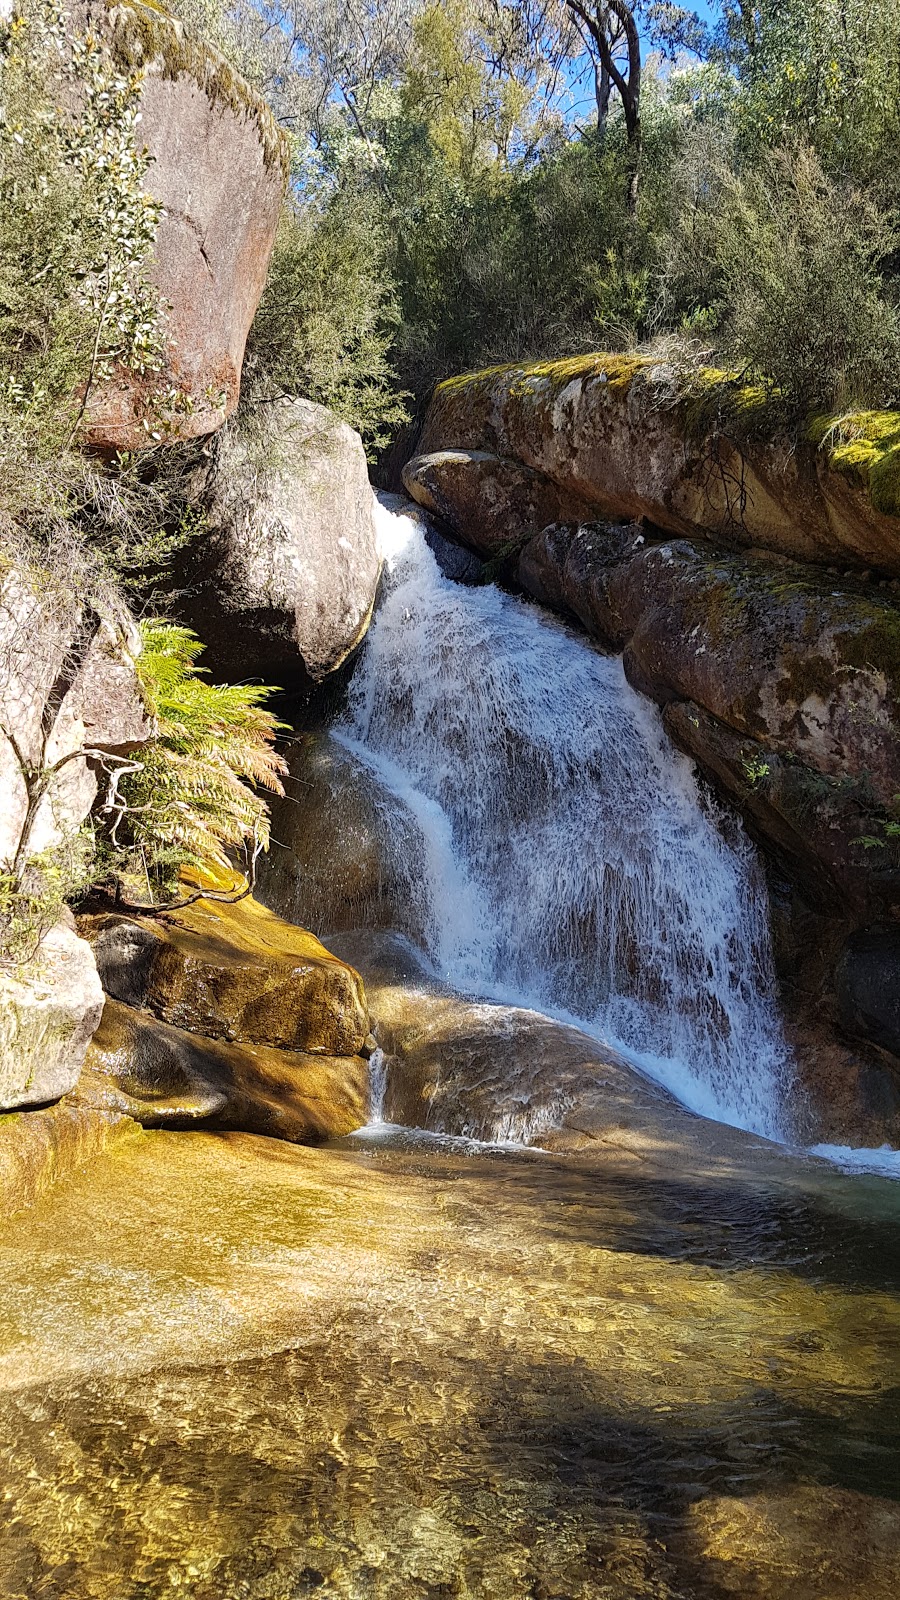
point(69, 693)
point(69, 699)
point(233, 972)
point(498, 503)
point(221, 1012)
point(622, 433)
point(284, 581)
point(770, 648)
point(163, 1077)
point(48, 1012)
point(219, 168)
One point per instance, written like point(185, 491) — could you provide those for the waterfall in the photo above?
point(559, 849)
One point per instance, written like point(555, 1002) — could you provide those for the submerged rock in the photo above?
point(165, 1077)
point(284, 581)
point(48, 1012)
point(496, 1072)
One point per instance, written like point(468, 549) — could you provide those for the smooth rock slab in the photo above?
point(165, 1077)
point(234, 972)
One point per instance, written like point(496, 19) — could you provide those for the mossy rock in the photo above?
point(865, 447)
point(148, 35)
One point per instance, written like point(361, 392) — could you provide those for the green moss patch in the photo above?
point(865, 447)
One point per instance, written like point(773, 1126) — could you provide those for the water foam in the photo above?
point(562, 850)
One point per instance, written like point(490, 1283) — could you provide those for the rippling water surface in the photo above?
point(409, 1368)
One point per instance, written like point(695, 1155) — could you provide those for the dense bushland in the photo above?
point(529, 190)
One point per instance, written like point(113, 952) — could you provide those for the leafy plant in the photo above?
point(189, 797)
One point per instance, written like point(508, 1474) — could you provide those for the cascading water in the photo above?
point(557, 846)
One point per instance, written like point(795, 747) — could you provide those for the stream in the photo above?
point(656, 1354)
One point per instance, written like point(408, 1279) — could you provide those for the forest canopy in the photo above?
point(533, 178)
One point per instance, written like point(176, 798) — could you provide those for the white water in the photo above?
point(559, 847)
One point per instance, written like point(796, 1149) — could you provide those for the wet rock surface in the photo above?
point(167, 1077)
point(222, 1013)
point(234, 972)
point(415, 1368)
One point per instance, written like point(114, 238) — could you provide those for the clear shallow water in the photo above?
point(551, 844)
point(234, 1368)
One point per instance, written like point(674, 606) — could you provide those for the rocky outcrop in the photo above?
point(168, 1077)
point(284, 581)
point(221, 1012)
point(232, 971)
point(496, 501)
point(779, 676)
point(626, 435)
point(69, 694)
point(218, 168)
point(69, 699)
point(48, 1012)
point(770, 649)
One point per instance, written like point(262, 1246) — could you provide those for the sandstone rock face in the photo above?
point(47, 1017)
point(218, 169)
point(613, 431)
point(222, 1013)
point(285, 582)
point(162, 1077)
point(67, 684)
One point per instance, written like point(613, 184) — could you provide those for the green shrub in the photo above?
point(805, 303)
point(327, 317)
point(190, 797)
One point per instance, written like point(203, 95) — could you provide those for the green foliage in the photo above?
point(189, 798)
point(76, 232)
point(31, 901)
point(328, 317)
point(805, 306)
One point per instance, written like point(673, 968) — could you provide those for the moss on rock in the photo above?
point(147, 34)
point(865, 447)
